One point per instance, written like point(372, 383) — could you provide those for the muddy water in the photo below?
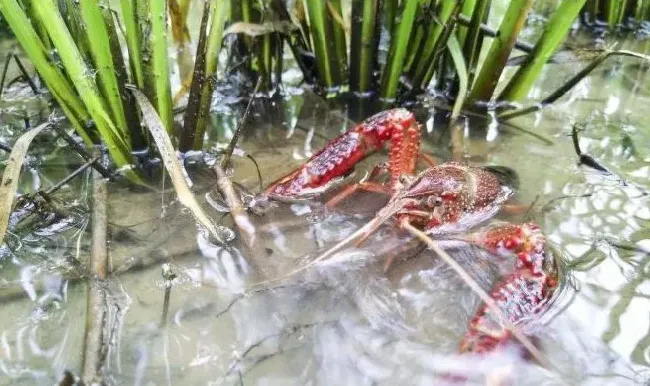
point(344, 321)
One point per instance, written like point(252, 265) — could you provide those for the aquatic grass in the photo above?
point(554, 33)
point(615, 13)
point(337, 22)
point(364, 43)
point(58, 84)
point(473, 42)
point(100, 50)
point(204, 77)
point(456, 54)
point(499, 52)
point(133, 36)
point(325, 51)
point(398, 49)
point(467, 10)
point(158, 62)
point(601, 56)
point(430, 50)
point(83, 81)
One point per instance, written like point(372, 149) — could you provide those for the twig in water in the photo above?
point(4, 73)
point(169, 277)
point(588, 160)
point(541, 358)
point(465, 21)
point(26, 76)
point(94, 339)
point(239, 215)
point(71, 176)
point(6, 148)
point(82, 152)
point(225, 160)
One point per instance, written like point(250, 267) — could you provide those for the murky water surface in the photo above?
point(343, 321)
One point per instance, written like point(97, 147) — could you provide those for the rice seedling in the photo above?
point(89, 81)
point(422, 35)
point(428, 43)
point(616, 13)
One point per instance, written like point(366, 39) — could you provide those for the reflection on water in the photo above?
point(343, 321)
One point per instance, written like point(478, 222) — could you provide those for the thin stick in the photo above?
point(541, 358)
point(237, 210)
point(95, 339)
point(4, 73)
point(4, 147)
point(235, 138)
point(71, 176)
point(239, 215)
point(361, 234)
point(465, 21)
point(26, 76)
point(82, 152)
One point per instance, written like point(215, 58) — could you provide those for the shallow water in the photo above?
point(344, 321)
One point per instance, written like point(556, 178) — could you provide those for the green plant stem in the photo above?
point(338, 31)
point(329, 73)
point(296, 41)
point(364, 44)
point(267, 60)
point(38, 26)
point(594, 10)
point(397, 51)
point(430, 50)
point(474, 38)
point(390, 13)
point(205, 71)
point(132, 37)
point(555, 31)
point(467, 11)
point(215, 38)
point(502, 45)
point(100, 51)
point(54, 79)
point(160, 62)
point(438, 51)
point(83, 82)
point(71, 15)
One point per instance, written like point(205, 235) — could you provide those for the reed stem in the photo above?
point(398, 49)
point(554, 32)
point(327, 65)
point(160, 62)
point(364, 44)
point(502, 45)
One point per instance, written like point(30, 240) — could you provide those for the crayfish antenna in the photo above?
point(359, 236)
point(363, 233)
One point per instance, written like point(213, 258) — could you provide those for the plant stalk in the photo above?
point(95, 339)
point(364, 44)
point(500, 50)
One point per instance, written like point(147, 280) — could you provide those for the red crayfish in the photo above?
point(445, 199)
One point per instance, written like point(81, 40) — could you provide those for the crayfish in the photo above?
point(442, 200)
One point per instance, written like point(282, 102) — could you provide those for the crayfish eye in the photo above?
point(404, 179)
point(434, 201)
